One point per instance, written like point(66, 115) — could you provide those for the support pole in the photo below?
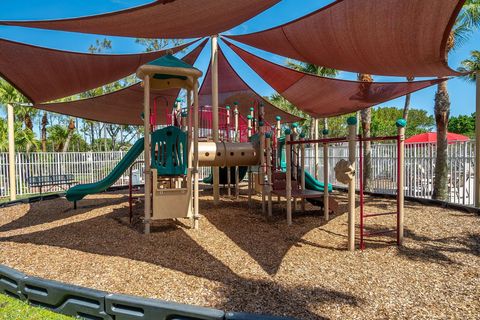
point(214, 68)
point(288, 187)
point(352, 132)
point(477, 142)
point(302, 166)
point(196, 192)
point(268, 147)
point(146, 152)
point(262, 172)
point(11, 153)
point(315, 148)
point(249, 175)
point(401, 123)
point(229, 178)
point(190, 150)
point(237, 139)
point(326, 209)
point(295, 159)
point(278, 133)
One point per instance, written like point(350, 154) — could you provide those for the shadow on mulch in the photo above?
point(36, 215)
point(171, 247)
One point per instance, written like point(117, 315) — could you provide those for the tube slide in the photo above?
point(79, 191)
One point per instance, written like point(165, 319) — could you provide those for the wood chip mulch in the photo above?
point(241, 261)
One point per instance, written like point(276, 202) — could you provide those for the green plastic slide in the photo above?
point(310, 182)
point(242, 171)
point(79, 191)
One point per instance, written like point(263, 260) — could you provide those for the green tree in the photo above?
point(463, 124)
point(467, 21)
point(471, 65)
point(383, 121)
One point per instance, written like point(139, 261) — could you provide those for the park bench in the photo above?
point(51, 181)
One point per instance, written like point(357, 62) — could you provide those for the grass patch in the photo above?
point(14, 309)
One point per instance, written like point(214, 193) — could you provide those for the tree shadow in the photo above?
point(170, 246)
point(37, 215)
point(266, 239)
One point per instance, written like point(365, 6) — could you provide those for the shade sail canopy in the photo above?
point(161, 19)
point(431, 137)
point(232, 88)
point(43, 74)
point(383, 37)
point(123, 106)
point(326, 97)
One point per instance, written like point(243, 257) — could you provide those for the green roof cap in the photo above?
point(172, 62)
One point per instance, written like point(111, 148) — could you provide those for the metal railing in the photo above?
point(419, 171)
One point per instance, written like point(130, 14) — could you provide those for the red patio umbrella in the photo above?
point(431, 137)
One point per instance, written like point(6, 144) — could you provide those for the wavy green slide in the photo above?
point(79, 191)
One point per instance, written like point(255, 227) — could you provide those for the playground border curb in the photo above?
point(92, 304)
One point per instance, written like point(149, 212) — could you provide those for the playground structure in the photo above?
point(249, 146)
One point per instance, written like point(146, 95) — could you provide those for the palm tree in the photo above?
point(467, 21)
point(70, 132)
point(406, 108)
point(44, 131)
point(366, 120)
point(471, 66)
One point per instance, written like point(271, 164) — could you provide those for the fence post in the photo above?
point(11, 154)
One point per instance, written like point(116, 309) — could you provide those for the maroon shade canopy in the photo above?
point(326, 97)
point(161, 19)
point(123, 106)
point(43, 74)
point(231, 89)
point(383, 37)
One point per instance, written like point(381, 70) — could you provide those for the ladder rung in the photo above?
point(374, 233)
point(377, 214)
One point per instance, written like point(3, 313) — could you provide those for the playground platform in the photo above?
point(241, 260)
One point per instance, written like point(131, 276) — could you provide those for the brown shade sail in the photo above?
point(43, 74)
point(232, 88)
point(161, 19)
point(383, 37)
point(124, 106)
point(325, 97)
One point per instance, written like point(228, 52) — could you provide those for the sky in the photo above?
point(462, 93)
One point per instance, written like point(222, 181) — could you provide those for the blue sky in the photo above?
point(462, 94)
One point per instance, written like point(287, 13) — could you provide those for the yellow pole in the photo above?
point(11, 153)
point(196, 193)
point(401, 178)
point(269, 171)
point(352, 132)
point(146, 152)
point(214, 66)
point(288, 187)
point(477, 142)
point(326, 208)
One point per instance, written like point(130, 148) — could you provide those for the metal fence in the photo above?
point(419, 168)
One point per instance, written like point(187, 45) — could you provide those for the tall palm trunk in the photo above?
point(442, 112)
point(71, 131)
point(366, 120)
point(44, 131)
point(406, 108)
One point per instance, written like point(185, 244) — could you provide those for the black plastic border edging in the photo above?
point(94, 304)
